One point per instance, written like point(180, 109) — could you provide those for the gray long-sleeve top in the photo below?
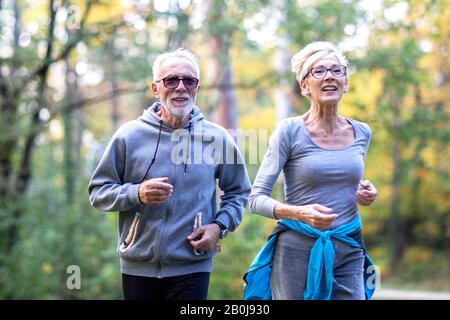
point(312, 174)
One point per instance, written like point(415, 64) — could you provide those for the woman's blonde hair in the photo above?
point(303, 60)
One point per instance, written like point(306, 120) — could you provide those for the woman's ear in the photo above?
point(346, 85)
point(304, 87)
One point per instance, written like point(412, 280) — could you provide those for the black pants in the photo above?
point(193, 286)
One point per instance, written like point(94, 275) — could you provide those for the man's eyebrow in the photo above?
point(179, 75)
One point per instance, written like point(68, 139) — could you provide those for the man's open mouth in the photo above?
point(180, 99)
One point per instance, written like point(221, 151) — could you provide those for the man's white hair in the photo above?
point(180, 53)
point(303, 60)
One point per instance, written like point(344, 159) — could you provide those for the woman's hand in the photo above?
point(315, 215)
point(366, 193)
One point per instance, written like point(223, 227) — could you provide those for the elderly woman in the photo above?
point(316, 249)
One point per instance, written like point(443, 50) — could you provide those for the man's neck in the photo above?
point(171, 120)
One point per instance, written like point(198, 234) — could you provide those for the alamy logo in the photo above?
point(374, 277)
point(74, 280)
point(73, 17)
point(205, 146)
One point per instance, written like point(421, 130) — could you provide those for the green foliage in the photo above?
point(428, 267)
point(399, 85)
point(323, 20)
point(238, 251)
point(54, 236)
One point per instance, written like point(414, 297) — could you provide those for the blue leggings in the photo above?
point(193, 286)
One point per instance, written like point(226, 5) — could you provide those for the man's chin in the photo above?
point(180, 112)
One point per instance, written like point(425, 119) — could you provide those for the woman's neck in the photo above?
point(323, 117)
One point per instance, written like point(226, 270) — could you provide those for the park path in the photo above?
point(395, 294)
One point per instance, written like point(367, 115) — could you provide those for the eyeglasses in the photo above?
point(172, 82)
point(336, 70)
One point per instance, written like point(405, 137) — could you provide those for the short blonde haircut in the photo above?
point(303, 60)
point(179, 53)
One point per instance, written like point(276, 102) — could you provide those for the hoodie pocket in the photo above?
point(131, 236)
point(138, 239)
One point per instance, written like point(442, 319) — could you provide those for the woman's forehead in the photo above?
point(327, 60)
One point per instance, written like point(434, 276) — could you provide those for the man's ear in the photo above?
point(155, 90)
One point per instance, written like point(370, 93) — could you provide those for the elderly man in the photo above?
point(159, 171)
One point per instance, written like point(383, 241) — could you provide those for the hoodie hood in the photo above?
point(151, 117)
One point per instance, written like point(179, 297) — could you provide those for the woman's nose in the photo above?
point(328, 75)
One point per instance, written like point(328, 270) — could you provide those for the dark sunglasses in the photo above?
point(172, 82)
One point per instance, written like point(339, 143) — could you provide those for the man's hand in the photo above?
point(205, 237)
point(155, 191)
point(366, 193)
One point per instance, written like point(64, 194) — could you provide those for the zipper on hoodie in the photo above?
point(160, 245)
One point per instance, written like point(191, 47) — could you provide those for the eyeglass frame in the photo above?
point(179, 78)
point(326, 71)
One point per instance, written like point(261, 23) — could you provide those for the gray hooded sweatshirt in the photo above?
point(152, 238)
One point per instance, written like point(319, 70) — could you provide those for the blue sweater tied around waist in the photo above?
point(319, 285)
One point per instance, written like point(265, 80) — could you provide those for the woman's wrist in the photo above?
point(285, 211)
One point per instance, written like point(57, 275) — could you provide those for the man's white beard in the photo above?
point(180, 112)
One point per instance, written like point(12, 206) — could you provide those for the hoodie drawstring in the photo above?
point(156, 151)
point(188, 149)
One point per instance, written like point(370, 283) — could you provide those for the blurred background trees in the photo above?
point(71, 72)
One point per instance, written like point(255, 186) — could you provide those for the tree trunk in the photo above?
point(282, 65)
point(396, 233)
point(226, 112)
point(68, 122)
point(24, 173)
point(111, 74)
point(220, 33)
point(176, 38)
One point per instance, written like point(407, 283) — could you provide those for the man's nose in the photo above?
point(180, 86)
